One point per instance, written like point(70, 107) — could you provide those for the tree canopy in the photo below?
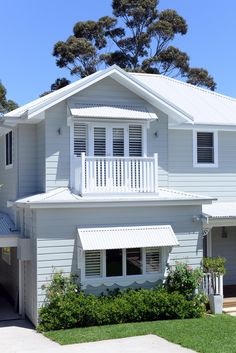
point(138, 38)
point(6, 105)
point(59, 83)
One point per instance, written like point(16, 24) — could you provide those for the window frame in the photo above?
point(196, 164)
point(109, 136)
point(124, 276)
point(6, 256)
point(8, 147)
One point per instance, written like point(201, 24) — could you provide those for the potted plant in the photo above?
point(215, 267)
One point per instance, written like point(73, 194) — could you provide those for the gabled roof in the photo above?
point(183, 102)
point(34, 108)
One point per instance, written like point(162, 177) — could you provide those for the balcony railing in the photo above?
point(115, 174)
point(208, 281)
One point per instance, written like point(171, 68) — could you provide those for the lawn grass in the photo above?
point(212, 334)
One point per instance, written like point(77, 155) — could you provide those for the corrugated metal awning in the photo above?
point(115, 111)
point(126, 237)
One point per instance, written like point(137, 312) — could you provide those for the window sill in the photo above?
point(9, 166)
point(205, 165)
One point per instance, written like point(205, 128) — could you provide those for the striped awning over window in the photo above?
point(126, 237)
point(87, 110)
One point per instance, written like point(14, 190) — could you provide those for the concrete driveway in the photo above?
point(20, 337)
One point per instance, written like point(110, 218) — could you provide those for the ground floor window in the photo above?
point(122, 262)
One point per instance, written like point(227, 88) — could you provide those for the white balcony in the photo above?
point(113, 175)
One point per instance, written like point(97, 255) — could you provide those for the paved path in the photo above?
point(19, 337)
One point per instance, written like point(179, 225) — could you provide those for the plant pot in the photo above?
point(216, 303)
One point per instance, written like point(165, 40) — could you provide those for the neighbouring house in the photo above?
point(111, 178)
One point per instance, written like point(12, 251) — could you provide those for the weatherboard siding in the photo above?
point(28, 226)
point(8, 176)
point(57, 147)
point(57, 232)
point(27, 147)
point(107, 91)
point(217, 182)
point(157, 142)
point(40, 156)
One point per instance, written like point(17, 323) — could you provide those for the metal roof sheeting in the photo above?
point(6, 225)
point(87, 110)
point(126, 237)
point(220, 210)
point(204, 106)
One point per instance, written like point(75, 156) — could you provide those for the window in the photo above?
point(111, 139)
point(93, 263)
point(122, 262)
point(152, 260)
point(114, 263)
point(8, 149)
point(80, 139)
point(135, 141)
point(205, 149)
point(118, 142)
point(6, 255)
point(133, 262)
point(99, 141)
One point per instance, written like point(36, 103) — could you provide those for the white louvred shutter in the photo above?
point(80, 138)
point(118, 142)
point(135, 140)
point(205, 147)
point(153, 260)
point(93, 263)
point(99, 141)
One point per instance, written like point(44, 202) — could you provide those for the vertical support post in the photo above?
point(221, 285)
point(83, 171)
point(156, 172)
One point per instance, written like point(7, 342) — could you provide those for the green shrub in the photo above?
point(183, 279)
point(66, 307)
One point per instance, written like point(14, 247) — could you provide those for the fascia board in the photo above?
point(204, 127)
point(102, 203)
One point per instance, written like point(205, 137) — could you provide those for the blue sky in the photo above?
point(29, 29)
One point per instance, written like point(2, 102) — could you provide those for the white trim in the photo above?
point(108, 126)
point(209, 244)
point(144, 276)
point(215, 142)
point(204, 127)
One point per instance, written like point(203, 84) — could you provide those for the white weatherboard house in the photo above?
point(111, 178)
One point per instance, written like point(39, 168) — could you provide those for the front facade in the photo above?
point(112, 178)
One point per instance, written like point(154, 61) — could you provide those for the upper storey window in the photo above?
point(205, 149)
point(8, 149)
point(112, 140)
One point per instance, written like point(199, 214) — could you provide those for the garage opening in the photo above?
point(9, 270)
point(9, 284)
